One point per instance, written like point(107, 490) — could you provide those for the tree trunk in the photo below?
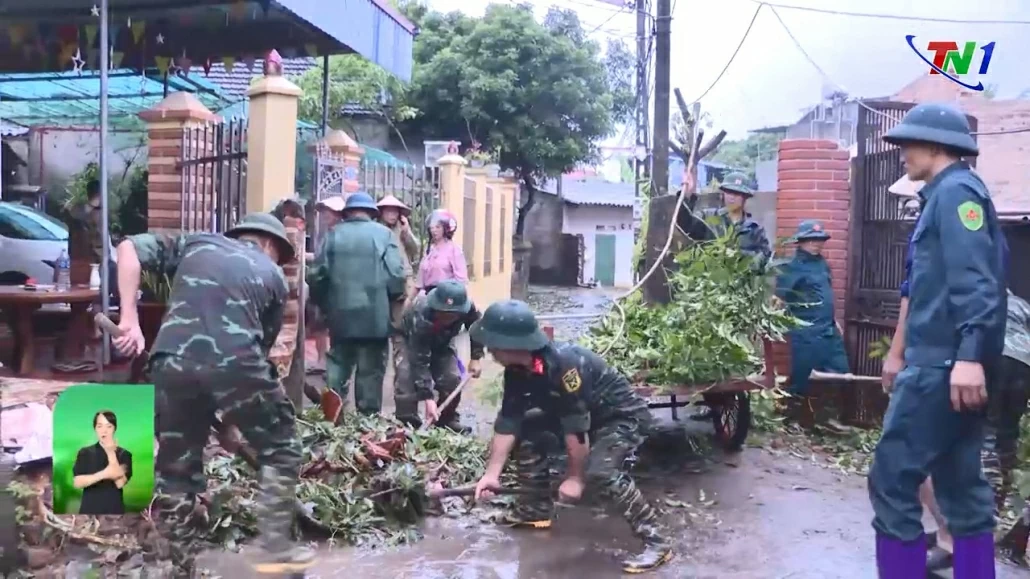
point(529, 186)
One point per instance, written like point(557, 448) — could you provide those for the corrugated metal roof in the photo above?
point(580, 191)
point(235, 84)
point(11, 130)
point(73, 99)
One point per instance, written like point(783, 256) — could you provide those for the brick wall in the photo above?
point(813, 182)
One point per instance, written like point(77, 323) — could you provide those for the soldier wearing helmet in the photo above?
point(563, 392)
point(429, 326)
point(805, 284)
point(954, 337)
point(358, 273)
point(444, 259)
point(731, 217)
point(225, 311)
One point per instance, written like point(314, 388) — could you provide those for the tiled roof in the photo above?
point(592, 191)
point(8, 129)
point(236, 83)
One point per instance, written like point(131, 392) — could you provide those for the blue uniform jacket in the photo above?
point(806, 285)
point(956, 286)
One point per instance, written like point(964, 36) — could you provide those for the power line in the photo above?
point(888, 16)
point(734, 55)
point(860, 102)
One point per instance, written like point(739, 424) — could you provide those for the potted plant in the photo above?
point(153, 304)
point(477, 157)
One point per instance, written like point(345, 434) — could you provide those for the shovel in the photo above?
point(465, 379)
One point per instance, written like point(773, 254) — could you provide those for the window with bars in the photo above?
point(488, 233)
point(468, 242)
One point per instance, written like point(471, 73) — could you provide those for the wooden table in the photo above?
point(19, 305)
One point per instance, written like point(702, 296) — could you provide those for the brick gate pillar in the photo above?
point(813, 182)
point(165, 124)
point(339, 146)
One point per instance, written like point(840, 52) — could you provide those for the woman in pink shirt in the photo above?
point(444, 259)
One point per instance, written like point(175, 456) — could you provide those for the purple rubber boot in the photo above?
point(898, 559)
point(974, 557)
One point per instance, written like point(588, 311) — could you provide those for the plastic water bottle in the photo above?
point(64, 271)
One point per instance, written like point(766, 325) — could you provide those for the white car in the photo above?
point(30, 243)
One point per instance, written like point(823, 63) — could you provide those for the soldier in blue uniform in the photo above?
point(806, 286)
point(954, 334)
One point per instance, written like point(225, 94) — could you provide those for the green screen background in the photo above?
point(133, 404)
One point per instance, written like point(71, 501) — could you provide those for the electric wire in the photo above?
point(890, 16)
point(736, 51)
point(860, 102)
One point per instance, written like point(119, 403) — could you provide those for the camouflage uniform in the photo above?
point(1008, 400)
point(570, 390)
point(752, 236)
point(429, 357)
point(211, 354)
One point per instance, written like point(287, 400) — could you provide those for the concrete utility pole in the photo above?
point(659, 214)
point(641, 152)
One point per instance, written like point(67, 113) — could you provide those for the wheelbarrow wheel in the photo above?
point(731, 416)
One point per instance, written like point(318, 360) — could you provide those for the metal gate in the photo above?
point(418, 187)
point(213, 173)
point(878, 237)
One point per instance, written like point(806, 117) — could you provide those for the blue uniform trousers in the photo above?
point(923, 436)
point(822, 350)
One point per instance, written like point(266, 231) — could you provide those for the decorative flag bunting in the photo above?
point(91, 34)
point(207, 67)
point(16, 32)
point(116, 59)
point(249, 61)
point(138, 29)
point(162, 63)
point(228, 62)
point(184, 63)
point(311, 49)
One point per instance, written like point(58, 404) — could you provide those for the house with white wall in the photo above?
point(600, 214)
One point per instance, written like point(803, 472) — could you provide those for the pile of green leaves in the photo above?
point(351, 498)
point(708, 332)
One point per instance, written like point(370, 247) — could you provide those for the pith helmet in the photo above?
point(331, 204)
point(737, 183)
point(509, 325)
point(906, 187)
point(361, 200)
point(450, 296)
point(939, 124)
point(811, 230)
point(266, 224)
point(391, 201)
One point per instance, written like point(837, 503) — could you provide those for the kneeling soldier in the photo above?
point(559, 391)
point(426, 357)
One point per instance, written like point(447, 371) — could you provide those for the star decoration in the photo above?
point(78, 62)
point(160, 38)
point(95, 11)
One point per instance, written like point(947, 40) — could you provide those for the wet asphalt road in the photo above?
point(755, 515)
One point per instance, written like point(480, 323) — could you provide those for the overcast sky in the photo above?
point(770, 81)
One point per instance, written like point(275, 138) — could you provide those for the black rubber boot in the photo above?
point(449, 417)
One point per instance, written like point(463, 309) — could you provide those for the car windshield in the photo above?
point(31, 224)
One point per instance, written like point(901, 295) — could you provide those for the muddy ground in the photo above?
point(761, 514)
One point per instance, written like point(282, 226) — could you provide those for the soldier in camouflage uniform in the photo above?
point(732, 216)
point(428, 327)
point(225, 311)
point(563, 392)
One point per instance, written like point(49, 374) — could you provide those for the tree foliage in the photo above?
point(539, 96)
point(744, 154)
point(353, 82)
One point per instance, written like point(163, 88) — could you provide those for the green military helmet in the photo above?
point(509, 325)
point(737, 182)
point(449, 296)
point(811, 230)
point(939, 124)
point(266, 224)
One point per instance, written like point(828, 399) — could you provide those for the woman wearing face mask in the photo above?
point(444, 259)
point(102, 470)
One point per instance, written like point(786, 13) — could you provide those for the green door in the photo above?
point(604, 259)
